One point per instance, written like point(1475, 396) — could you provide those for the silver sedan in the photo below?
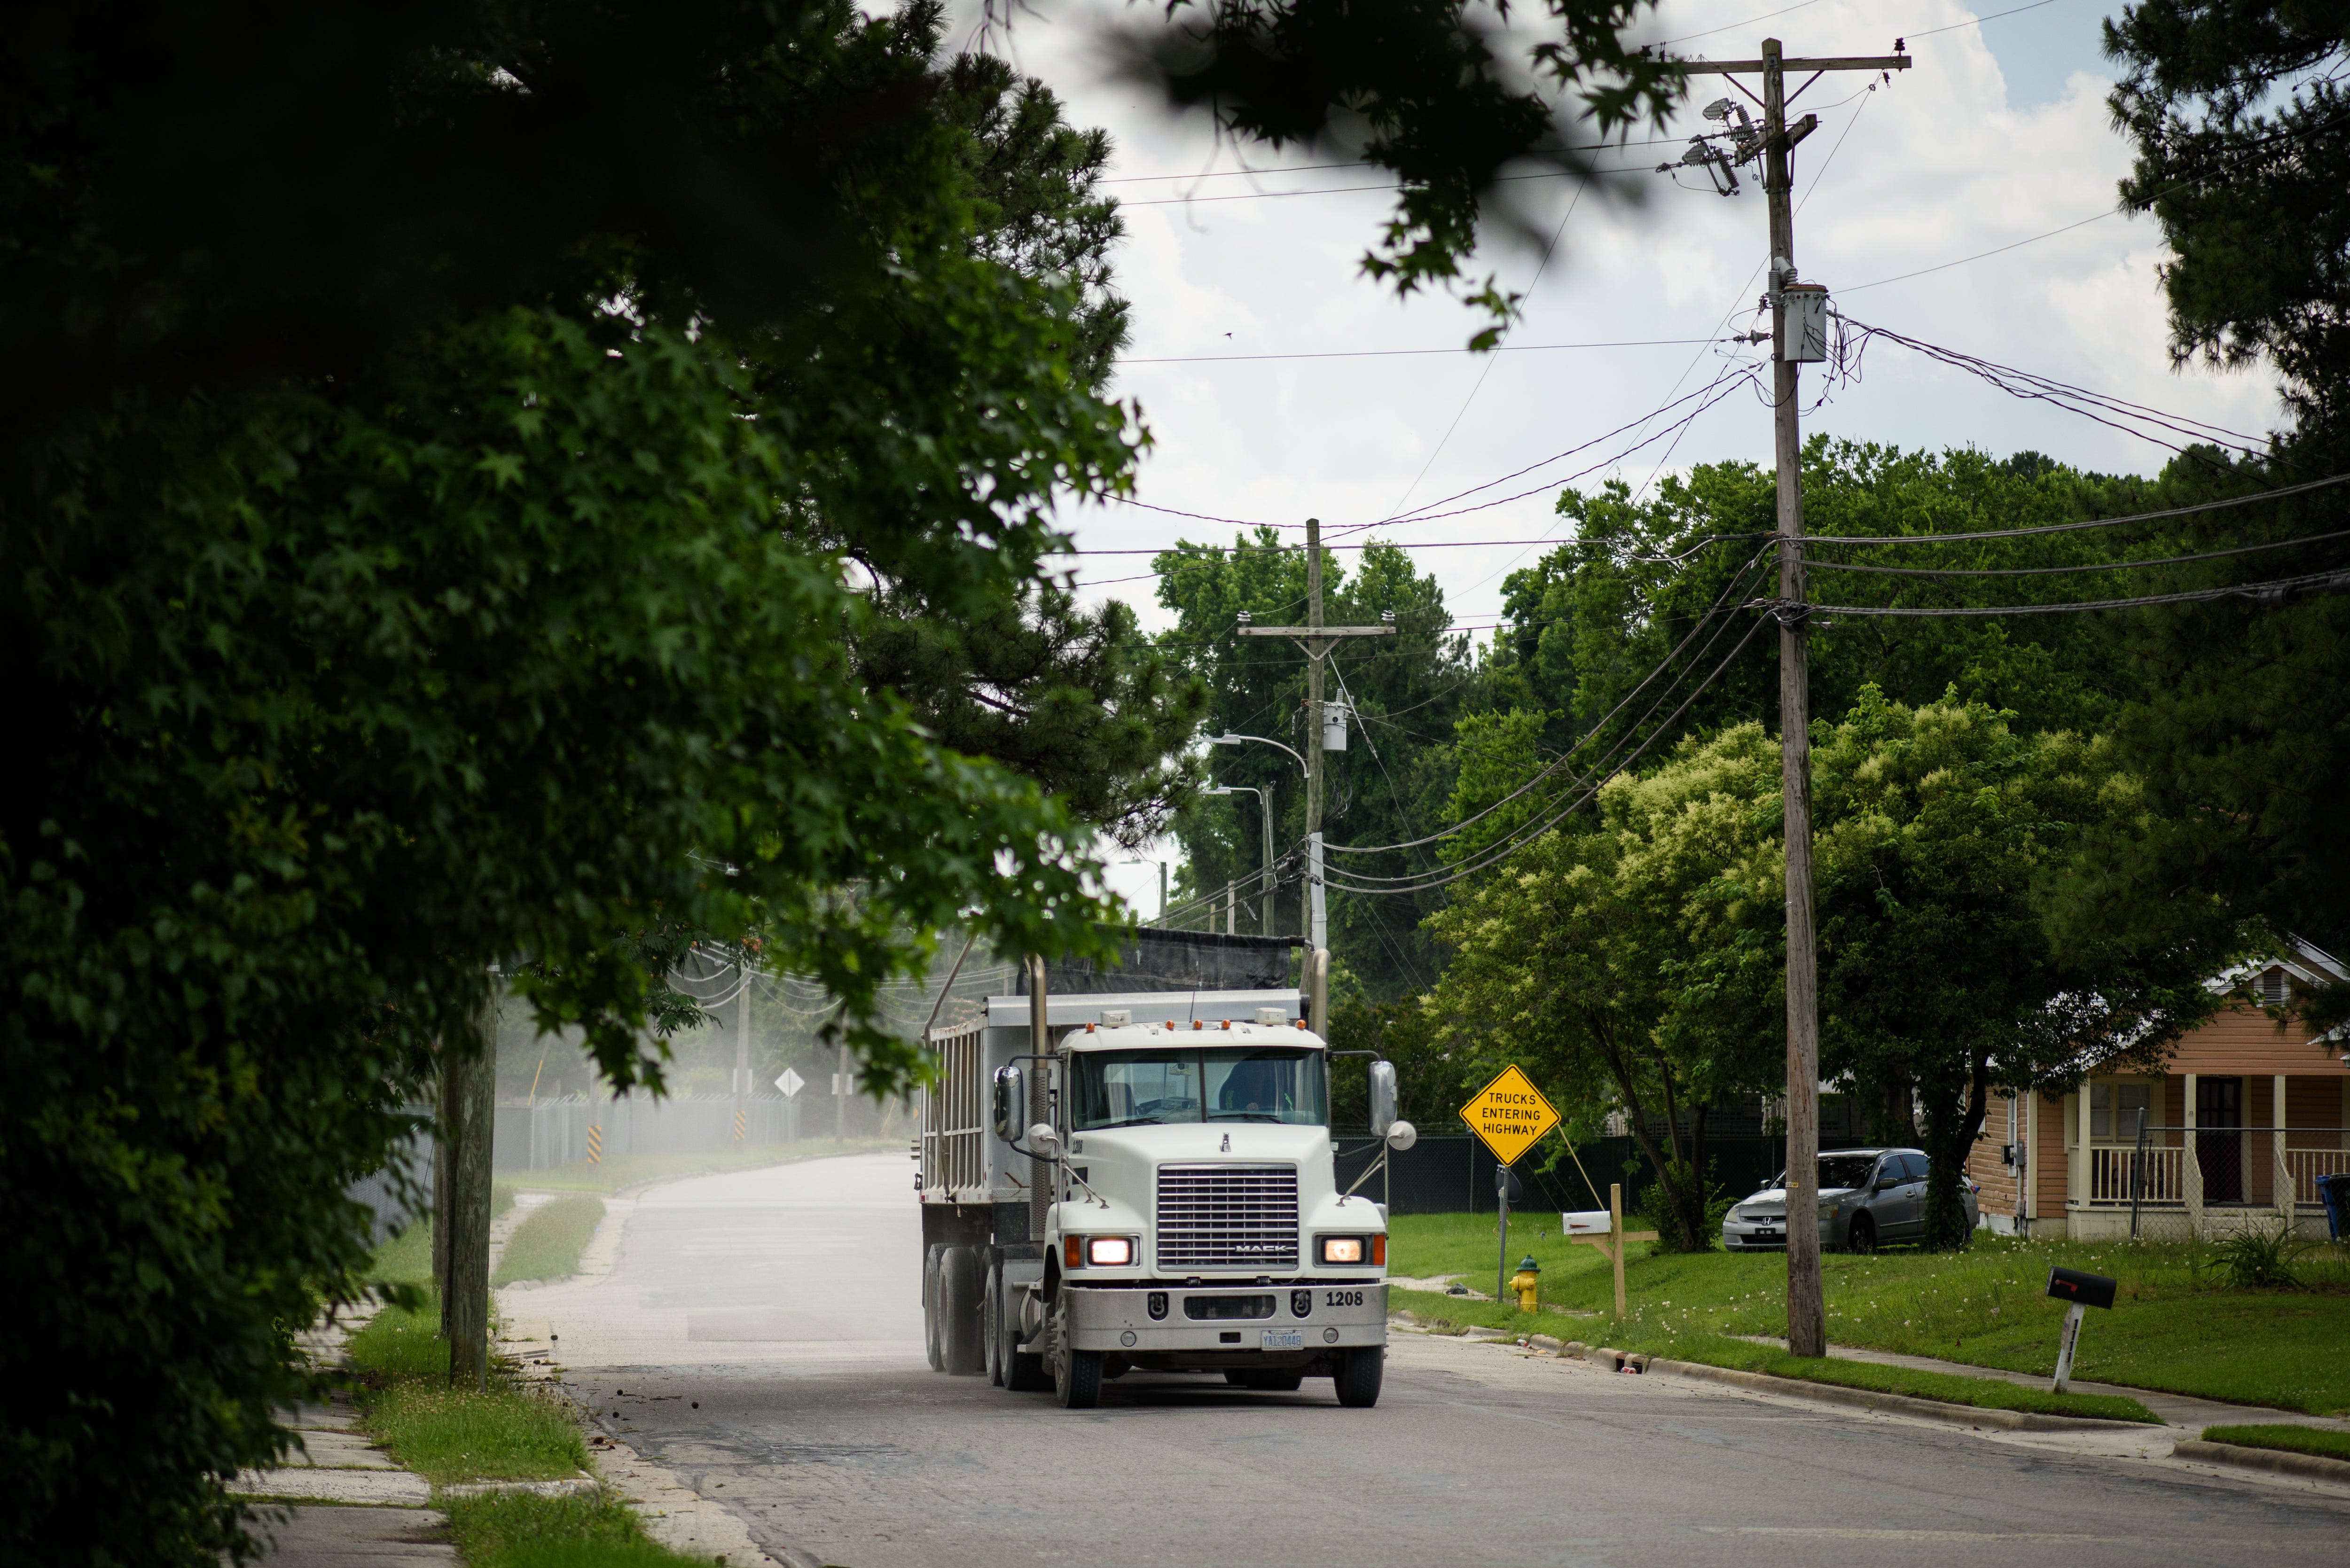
point(1867, 1196)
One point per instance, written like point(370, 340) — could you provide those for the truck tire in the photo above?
point(1023, 1370)
point(992, 1347)
point(1076, 1379)
point(930, 1304)
point(1359, 1376)
point(958, 1298)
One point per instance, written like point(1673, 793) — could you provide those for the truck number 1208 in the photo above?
point(1342, 1298)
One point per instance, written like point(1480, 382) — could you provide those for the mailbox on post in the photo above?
point(2083, 1291)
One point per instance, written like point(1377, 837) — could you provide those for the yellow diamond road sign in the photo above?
point(1511, 1115)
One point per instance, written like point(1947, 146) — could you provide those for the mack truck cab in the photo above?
point(1122, 1181)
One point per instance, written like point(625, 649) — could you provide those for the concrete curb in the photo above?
point(1902, 1404)
point(2315, 1467)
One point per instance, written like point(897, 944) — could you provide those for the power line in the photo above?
point(2056, 571)
point(1408, 353)
point(1346, 190)
point(2033, 387)
point(2273, 592)
point(1979, 21)
point(1520, 840)
point(2200, 506)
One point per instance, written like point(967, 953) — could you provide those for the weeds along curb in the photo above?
point(1901, 1404)
point(2313, 1467)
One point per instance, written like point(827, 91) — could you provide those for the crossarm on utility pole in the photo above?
point(1770, 63)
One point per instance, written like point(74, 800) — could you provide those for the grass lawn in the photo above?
point(2290, 1439)
point(1981, 1393)
point(596, 1532)
point(2176, 1326)
point(629, 1169)
point(503, 1433)
point(547, 1245)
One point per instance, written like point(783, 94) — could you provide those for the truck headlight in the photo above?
point(1344, 1248)
point(1110, 1252)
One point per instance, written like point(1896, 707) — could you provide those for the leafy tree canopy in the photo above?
point(1941, 831)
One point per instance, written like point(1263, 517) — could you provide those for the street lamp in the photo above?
point(1264, 803)
point(1316, 919)
point(1237, 740)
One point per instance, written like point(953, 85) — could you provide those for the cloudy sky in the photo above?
point(1253, 330)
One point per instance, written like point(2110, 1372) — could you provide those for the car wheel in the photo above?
point(1359, 1376)
point(1862, 1237)
point(958, 1296)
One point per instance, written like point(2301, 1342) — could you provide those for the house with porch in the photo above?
point(2244, 1117)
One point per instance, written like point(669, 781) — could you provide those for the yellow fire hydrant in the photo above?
point(1523, 1281)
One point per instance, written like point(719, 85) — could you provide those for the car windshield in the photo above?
point(1138, 1089)
point(1837, 1171)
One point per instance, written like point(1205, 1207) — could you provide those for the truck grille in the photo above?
point(1227, 1217)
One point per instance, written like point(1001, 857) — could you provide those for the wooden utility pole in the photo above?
point(1790, 346)
point(1317, 640)
point(469, 1108)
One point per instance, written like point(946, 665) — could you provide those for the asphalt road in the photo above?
point(760, 1334)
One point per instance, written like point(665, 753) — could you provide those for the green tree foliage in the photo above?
point(1941, 828)
point(1635, 964)
point(2242, 128)
point(466, 442)
point(1037, 204)
point(1639, 963)
point(1390, 783)
point(2241, 131)
point(1573, 684)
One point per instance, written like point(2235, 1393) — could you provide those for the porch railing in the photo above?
point(2120, 1173)
point(2197, 1168)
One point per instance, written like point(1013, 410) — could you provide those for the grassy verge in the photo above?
point(503, 1433)
point(1441, 1311)
point(2176, 1326)
point(1978, 1393)
point(629, 1169)
point(2325, 1445)
point(547, 1245)
point(595, 1532)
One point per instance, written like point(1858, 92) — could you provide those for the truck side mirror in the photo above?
point(1044, 1139)
point(1008, 1105)
point(1383, 1097)
point(1401, 1135)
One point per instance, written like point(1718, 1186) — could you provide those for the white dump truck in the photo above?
point(1139, 1180)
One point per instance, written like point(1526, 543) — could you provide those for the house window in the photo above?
point(2116, 1110)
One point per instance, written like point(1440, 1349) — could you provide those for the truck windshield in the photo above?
point(1136, 1088)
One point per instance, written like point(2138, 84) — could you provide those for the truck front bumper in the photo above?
point(1209, 1318)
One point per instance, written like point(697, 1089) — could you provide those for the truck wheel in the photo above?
point(930, 1304)
point(959, 1312)
point(991, 1325)
point(1359, 1376)
point(1007, 1365)
point(1270, 1380)
point(1076, 1378)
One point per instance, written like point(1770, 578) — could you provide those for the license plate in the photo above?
point(1766, 1235)
point(1285, 1339)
